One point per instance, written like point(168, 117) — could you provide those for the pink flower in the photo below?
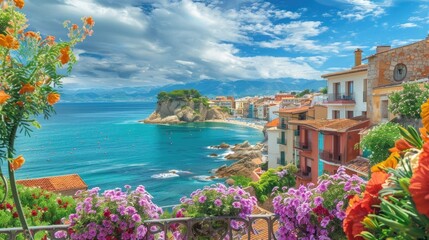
point(202, 199)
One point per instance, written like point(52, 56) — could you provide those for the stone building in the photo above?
point(388, 68)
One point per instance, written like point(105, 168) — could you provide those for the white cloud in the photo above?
point(359, 9)
point(407, 25)
point(398, 42)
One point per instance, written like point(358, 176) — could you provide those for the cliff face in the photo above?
point(183, 111)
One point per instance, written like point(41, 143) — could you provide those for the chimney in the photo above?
point(358, 57)
point(381, 49)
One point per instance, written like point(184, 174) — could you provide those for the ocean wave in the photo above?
point(164, 175)
point(203, 178)
point(179, 172)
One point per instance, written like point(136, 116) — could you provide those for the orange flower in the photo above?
point(374, 184)
point(89, 21)
point(401, 145)
point(50, 40)
point(27, 88)
point(53, 98)
point(424, 134)
point(419, 184)
point(355, 214)
point(20, 103)
point(75, 27)
point(390, 162)
point(8, 41)
point(3, 97)
point(64, 57)
point(17, 162)
point(31, 34)
point(19, 3)
point(425, 115)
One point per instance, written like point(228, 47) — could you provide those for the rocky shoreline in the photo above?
point(247, 157)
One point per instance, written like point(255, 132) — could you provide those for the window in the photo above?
point(349, 90)
point(337, 91)
point(335, 114)
point(364, 113)
point(349, 114)
point(384, 110)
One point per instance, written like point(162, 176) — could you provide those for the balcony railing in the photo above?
point(341, 98)
point(281, 161)
point(303, 146)
point(282, 126)
point(281, 141)
point(259, 226)
point(304, 175)
point(331, 157)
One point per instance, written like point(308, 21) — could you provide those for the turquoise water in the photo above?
point(108, 148)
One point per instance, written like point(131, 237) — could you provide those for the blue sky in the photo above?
point(154, 43)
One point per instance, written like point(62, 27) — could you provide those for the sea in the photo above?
point(106, 145)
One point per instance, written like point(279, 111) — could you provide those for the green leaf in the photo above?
point(36, 124)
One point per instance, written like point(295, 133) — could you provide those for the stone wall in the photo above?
point(381, 69)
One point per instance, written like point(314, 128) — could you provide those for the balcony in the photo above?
point(303, 146)
point(304, 175)
point(331, 157)
point(281, 161)
point(258, 226)
point(281, 141)
point(341, 98)
point(282, 126)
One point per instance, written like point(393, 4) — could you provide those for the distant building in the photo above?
point(324, 145)
point(347, 90)
point(65, 184)
point(280, 96)
point(388, 68)
point(223, 101)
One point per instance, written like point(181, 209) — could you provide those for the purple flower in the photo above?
point(236, 204)
point(218, 202)
point(202, 199)
point(325, 221)
point(136, 218)
point(60, 234)
point(318, 201)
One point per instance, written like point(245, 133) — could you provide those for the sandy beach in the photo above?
point(241, 123)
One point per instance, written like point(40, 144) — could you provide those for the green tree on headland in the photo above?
point(183, 95)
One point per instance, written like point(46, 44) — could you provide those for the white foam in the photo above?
point(165, 175)
point(179, 172)
point(202, 178)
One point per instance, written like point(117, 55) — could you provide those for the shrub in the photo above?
point(40, 207)
point(115, 213)
point(274, 179)
point(316, 212)
point(379, 140)
point(241, 181)
point(407, 102)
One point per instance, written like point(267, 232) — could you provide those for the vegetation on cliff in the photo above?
point(183, 95)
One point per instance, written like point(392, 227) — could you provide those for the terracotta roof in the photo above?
point(56, 183)
point(359, 165)
point(294, 110)
point(359, 68)
point(336, 125)
point(273, 123)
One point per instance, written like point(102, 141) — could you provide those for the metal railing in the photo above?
point(259, 226)
point(331, 157)
point(304, 175)
point(333, 97)
point(303, 146)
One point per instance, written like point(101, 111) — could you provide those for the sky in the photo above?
point(149, 43)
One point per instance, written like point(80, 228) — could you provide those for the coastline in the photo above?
point(237, 122)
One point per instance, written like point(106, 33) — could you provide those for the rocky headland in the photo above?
point(247, 158)
point(181, 106)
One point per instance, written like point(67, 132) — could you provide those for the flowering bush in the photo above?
point(274, 178)
point(40, 207)
point(216, 200)
point(395, 201)
point(113, 215)
point(316, 212)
